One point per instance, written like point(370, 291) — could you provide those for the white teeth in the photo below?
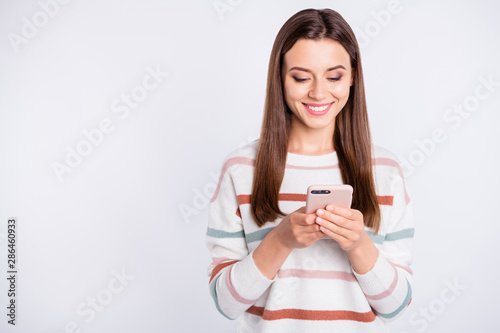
point(318, 108)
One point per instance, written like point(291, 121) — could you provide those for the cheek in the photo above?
point(294, 92)
point(288, 98)
point(341, 91)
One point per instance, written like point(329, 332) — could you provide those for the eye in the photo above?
point(333, 79)
point(298, 79)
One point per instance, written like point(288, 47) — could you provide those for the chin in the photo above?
point(319, 124)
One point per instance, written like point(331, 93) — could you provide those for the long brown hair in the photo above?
point(351, 138)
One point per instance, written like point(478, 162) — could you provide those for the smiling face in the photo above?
point(316, 76)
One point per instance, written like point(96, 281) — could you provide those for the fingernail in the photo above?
point(319, 220)
point(329, 207)
point(320, 212)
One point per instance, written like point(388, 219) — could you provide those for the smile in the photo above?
point(317, 109)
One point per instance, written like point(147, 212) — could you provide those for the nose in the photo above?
point(318, 90)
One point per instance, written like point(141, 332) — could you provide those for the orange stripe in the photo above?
point(238, 213)
point(218, 268)
point(292, 197)
point(244, 199)
point(256, 310)
point(251, 162)
point(385, 200)
point(302, 314)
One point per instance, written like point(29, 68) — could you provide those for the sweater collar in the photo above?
point(312, 160)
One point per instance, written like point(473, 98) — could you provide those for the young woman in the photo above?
point(335, 270)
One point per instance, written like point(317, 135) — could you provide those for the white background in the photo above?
point(119, 210)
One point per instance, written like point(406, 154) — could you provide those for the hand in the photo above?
point(345, 225)
point(298, 230)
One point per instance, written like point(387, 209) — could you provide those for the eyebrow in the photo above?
point(307, 70)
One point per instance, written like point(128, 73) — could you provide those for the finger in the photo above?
point(314, 228)
point(307, 219)
point(348, 213)
point(307, 229)
point(332, 217)
point(310, 234)
point(333, 235)
point(334, 228)
point(316, 235)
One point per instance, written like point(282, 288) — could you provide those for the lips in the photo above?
point(317, 109)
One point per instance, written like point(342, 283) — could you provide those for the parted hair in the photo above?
point(351, 139)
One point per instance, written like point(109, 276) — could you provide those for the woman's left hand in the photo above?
point(345, 225)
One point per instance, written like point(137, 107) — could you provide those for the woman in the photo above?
point(338, 269)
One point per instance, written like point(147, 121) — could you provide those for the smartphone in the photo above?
point(319, 196)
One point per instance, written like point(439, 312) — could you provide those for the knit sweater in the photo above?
point(316, 289)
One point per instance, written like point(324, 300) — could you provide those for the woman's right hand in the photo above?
point(298, 230)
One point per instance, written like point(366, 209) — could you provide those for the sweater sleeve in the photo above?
point(235, 281)
point(388, 285)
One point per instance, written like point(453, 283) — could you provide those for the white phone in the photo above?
point(319, 196)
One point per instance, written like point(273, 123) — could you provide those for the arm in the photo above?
point(295, 231)
point(388, 286)
point(235, 281)
point(384, 275)
point(239, 278)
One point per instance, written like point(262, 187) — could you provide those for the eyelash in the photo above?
point(298, 79)
point(332, 79)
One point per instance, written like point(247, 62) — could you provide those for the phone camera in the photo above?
point(320, 191)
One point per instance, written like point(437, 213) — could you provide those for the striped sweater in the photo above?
point(316, 289)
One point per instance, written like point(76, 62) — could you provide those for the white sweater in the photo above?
point(316, 289)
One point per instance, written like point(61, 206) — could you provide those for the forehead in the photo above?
point(316, 54)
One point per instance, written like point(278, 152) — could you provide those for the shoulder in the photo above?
point(242, 156)
point(240, 161)
point(246, 151)
point(387, 167)
point(381, 152)
point(237, 171)
point(386, 160)
point(389, 174)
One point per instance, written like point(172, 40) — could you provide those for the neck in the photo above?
point(310, 141)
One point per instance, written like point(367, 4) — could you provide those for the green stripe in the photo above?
point(401, 307)
point(401, 234)
point(392, 236)
point(262, 233)
point(214, 295)
point(377, 239)
point(224, 234)
point(258, 235)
